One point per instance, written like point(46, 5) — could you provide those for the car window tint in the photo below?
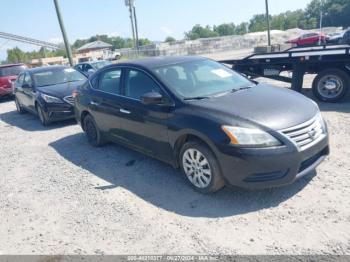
point(87, 67)
point(27, 79)
point(138, 84)
point(20, 79)
point(110, 81)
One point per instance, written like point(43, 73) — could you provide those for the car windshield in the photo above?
point(57, 76)
point(11, 71)
point(100, 64)
point(202, 78)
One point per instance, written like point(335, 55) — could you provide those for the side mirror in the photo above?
point(152, 98)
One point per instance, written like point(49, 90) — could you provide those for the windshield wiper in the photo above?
point(241, 88)
point(196, 98)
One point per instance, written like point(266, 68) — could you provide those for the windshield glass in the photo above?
point(100, 64)
point(57, 76)
point(11, 71)
point(201, 78)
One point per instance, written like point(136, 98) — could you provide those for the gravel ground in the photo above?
point(58, 195)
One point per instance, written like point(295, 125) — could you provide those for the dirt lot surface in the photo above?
point(58, 195)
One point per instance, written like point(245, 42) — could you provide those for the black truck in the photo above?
point(331, 64)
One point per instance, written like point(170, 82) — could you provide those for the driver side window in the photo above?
point(20, 79)
point(138, 84)
point(27, 80)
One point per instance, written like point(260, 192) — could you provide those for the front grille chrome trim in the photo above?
point(306, 134)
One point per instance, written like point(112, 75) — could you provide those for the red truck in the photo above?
point(8, 74)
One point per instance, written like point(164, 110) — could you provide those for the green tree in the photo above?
point(200, 32)
point(170, 39)
point(242, 28)
point(144, 41)
point(258, 23)
point(225, 29)
point(16, 55)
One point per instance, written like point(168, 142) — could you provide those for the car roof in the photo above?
point(11, 65)
point(91, 62)
point(160, 61)
point(45, 68)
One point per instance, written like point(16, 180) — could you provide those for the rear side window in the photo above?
point(110, 81)
point(138, 84)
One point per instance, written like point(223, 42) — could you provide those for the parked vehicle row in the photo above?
point(218, 127)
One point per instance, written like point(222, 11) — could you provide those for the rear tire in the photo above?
point(92, 132)
point(331, 85)
point(200, 167)
point(19, 108)
point(44, 120)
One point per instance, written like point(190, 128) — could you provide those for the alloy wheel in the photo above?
point(197, 168)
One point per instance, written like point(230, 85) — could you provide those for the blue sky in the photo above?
point(157, 18)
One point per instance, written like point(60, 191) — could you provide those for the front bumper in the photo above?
point(270, 167)
point(58, 112)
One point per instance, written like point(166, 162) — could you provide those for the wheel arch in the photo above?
point(187, 136)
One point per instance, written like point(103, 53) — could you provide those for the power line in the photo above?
point(28, 40)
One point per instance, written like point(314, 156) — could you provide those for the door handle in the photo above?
point(124, 111)
point(93, 103)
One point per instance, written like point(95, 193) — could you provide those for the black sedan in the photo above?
point(204, 118)
point(47, 92)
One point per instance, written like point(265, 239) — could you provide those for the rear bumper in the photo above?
point(266, 168)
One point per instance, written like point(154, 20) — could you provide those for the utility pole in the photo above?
point(268, 23)
point(136, 29)
point(321, 23)
point(64, 34)
point(130, 4)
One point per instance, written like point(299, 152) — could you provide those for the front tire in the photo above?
point(44, 120)
point(331, 85)
point(92, 132)
point(19, 108)
point(200, 167)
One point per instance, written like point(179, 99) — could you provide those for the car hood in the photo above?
point(60, 90)
point(272, 107)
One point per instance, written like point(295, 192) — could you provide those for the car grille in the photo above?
point(69, 100)
point(306, 134)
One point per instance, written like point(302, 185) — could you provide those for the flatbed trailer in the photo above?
point(331, 63)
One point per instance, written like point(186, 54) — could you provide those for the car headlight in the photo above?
point(250, 137)
point(51, 99)
point(322, 123)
